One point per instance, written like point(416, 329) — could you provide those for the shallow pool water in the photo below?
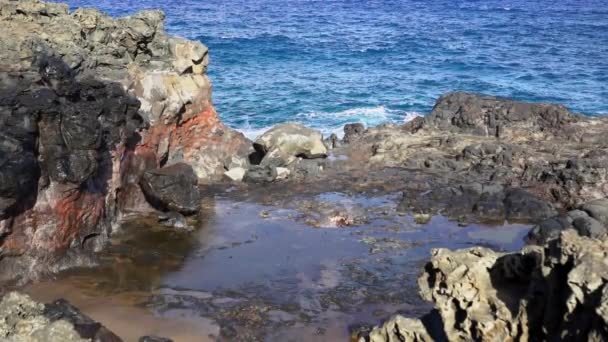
point(260, 272)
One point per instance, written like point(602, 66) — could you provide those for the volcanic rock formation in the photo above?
point(88, 104)
point(558, 291)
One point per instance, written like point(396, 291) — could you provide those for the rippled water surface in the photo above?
point(328, 62)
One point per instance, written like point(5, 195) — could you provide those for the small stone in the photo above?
point(422, 218)
point(282, 172)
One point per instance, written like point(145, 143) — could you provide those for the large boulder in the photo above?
point(172, 187)
point(523, 206)
point(284, 143)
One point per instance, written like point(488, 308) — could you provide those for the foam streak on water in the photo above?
point(325, 63)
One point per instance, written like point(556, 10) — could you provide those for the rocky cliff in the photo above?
point(88, 104)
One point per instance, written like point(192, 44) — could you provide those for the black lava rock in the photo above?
point(172, 187)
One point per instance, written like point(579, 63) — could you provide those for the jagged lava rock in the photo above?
point(495, 116)
point(556, 155)
point(555, 292)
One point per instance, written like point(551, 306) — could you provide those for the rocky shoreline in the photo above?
point(109, 120)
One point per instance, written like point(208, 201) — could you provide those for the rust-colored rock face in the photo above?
point(89, 104)
point(202, 141)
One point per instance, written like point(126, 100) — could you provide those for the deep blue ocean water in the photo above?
point(330, 62)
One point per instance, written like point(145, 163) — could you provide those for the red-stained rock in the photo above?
point(84, 113)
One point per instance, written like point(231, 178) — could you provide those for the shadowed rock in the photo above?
point(172, 187)
point(84, 325)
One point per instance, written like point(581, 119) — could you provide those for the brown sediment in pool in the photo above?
point(122, 312)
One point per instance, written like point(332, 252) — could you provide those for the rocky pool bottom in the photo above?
point(309, 266)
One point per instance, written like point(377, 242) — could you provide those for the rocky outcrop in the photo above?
point(499, 117)
point(60, 136)
point(22, 319)
point(549, 293)
point(475, 141)
point(88, 104)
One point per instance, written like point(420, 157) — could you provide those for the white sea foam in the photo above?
point(378, 113)
point(409, 116)
point(253, 132)
point(333, 122)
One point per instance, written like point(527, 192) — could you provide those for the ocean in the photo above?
point(326, 63)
